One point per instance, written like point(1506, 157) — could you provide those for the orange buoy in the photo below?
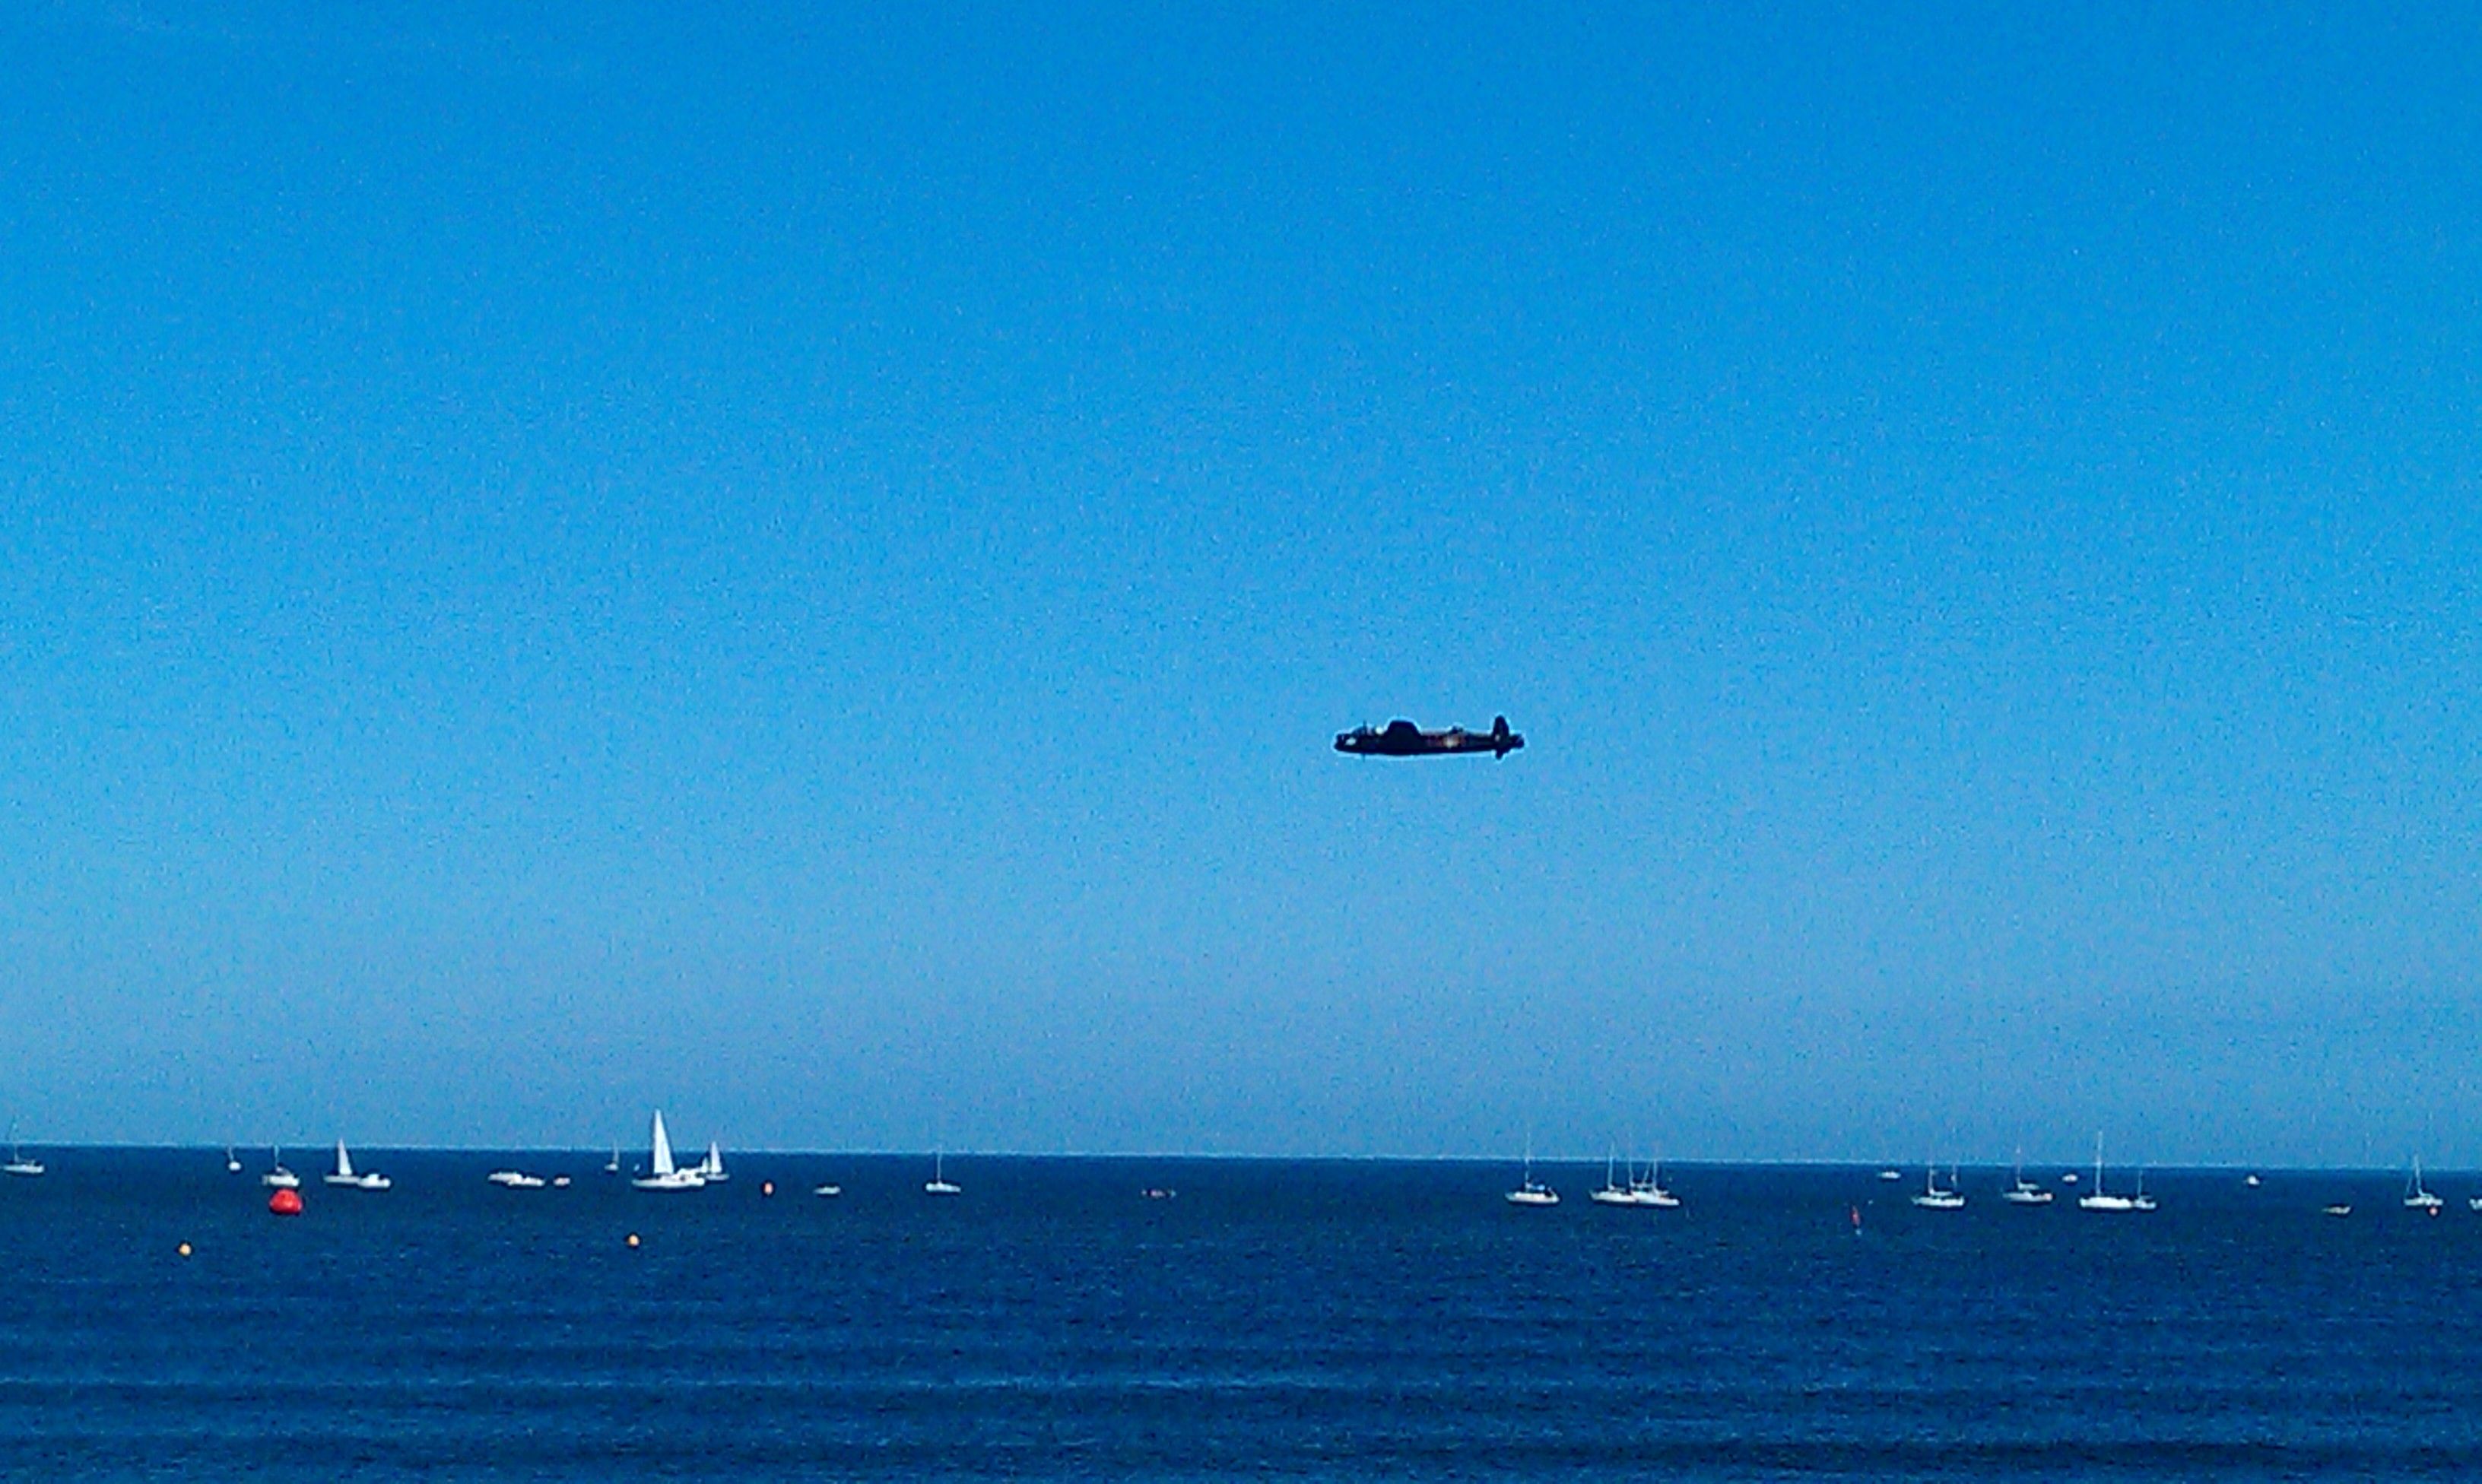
point(767, 1187)
point(286, 1203)
point(184, 1249)
point(633, 1238)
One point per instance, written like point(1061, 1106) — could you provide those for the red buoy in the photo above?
point(286, 1203)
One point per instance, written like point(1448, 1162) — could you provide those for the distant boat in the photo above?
point(1933, 1198)
point(1650, 1192)
point(515, 1180)
point(612, 1166)
point(2021, 1191)
point(232, 1161)
point(2100, 1201)
point(939, 1183)
point(828, 1190)
point(343, 1174)
point(277, 1177)
point(19, 1164)
point(661, 1174)
point(2251, 1181)
point(1530, 1191)
point(1891, 1175)
point(2339, 1208)
point(2415, 1197)
point(1613, 1193)
point(711, 1168)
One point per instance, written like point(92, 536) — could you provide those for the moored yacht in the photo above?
point(2102, 1201)
point(2021, 1191)
point(1650, 1192)
point(19, 1164)
point(2417, 1196)
point(1530, 1191)
point(515, 1180)
point(1934, 1198)
point(1613, 1193)
point(939, 1183)
point(277, 1177)
point(711, 1168)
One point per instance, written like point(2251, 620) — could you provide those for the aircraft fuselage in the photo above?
point(1402, 739)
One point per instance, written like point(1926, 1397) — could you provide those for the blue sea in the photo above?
point(1273, 1319)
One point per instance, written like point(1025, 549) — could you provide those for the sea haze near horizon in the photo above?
point(1287, 1319)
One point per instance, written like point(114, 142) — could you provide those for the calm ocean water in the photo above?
point(1277, 1319)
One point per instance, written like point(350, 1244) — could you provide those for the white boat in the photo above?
point(1651, 1192)
point(232, 1161)
point(1613, 1193)
point(2417, 1198)
point(2023, 1192)
point(827, 1190)
point(1933, 1198)
point(2473, 1202)
point(19, 1164)
point(2100, 1201)
point(1530, 1191)
point(2251, 1181)
point(661, 1174)
point(711, 1168)
point(939, 1183)
point(515, 1180)
point(1891, 1175)
point(343, 1174)
point(2339, 1208)
point(277, 1177)
point(612, 1165)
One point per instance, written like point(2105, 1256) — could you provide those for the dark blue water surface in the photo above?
point(1287, 1319)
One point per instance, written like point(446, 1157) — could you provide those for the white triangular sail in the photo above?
point(343, 1160)
point(662, 1163)
point(712, 1166)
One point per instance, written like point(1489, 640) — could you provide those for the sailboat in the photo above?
point(232, 1161)
point(277, 1177)
point(939, 1183)
point(1650, 1192)
point(19, 1164)
point(711, 1168)
point(343, 1174)
point(2099, 1201)
point(661, 1175)
point(1530, 1191)
point(1613, 1193)
point(2021, 1191)
point(1933, 1198)
point(612, 1166)
point(2415, 1197)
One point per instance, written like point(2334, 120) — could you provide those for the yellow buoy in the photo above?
point(633, 1238)
point(185, 1249)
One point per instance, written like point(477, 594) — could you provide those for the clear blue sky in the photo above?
point(801, 565)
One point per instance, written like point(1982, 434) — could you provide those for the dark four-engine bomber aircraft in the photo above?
point(1402, 739)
